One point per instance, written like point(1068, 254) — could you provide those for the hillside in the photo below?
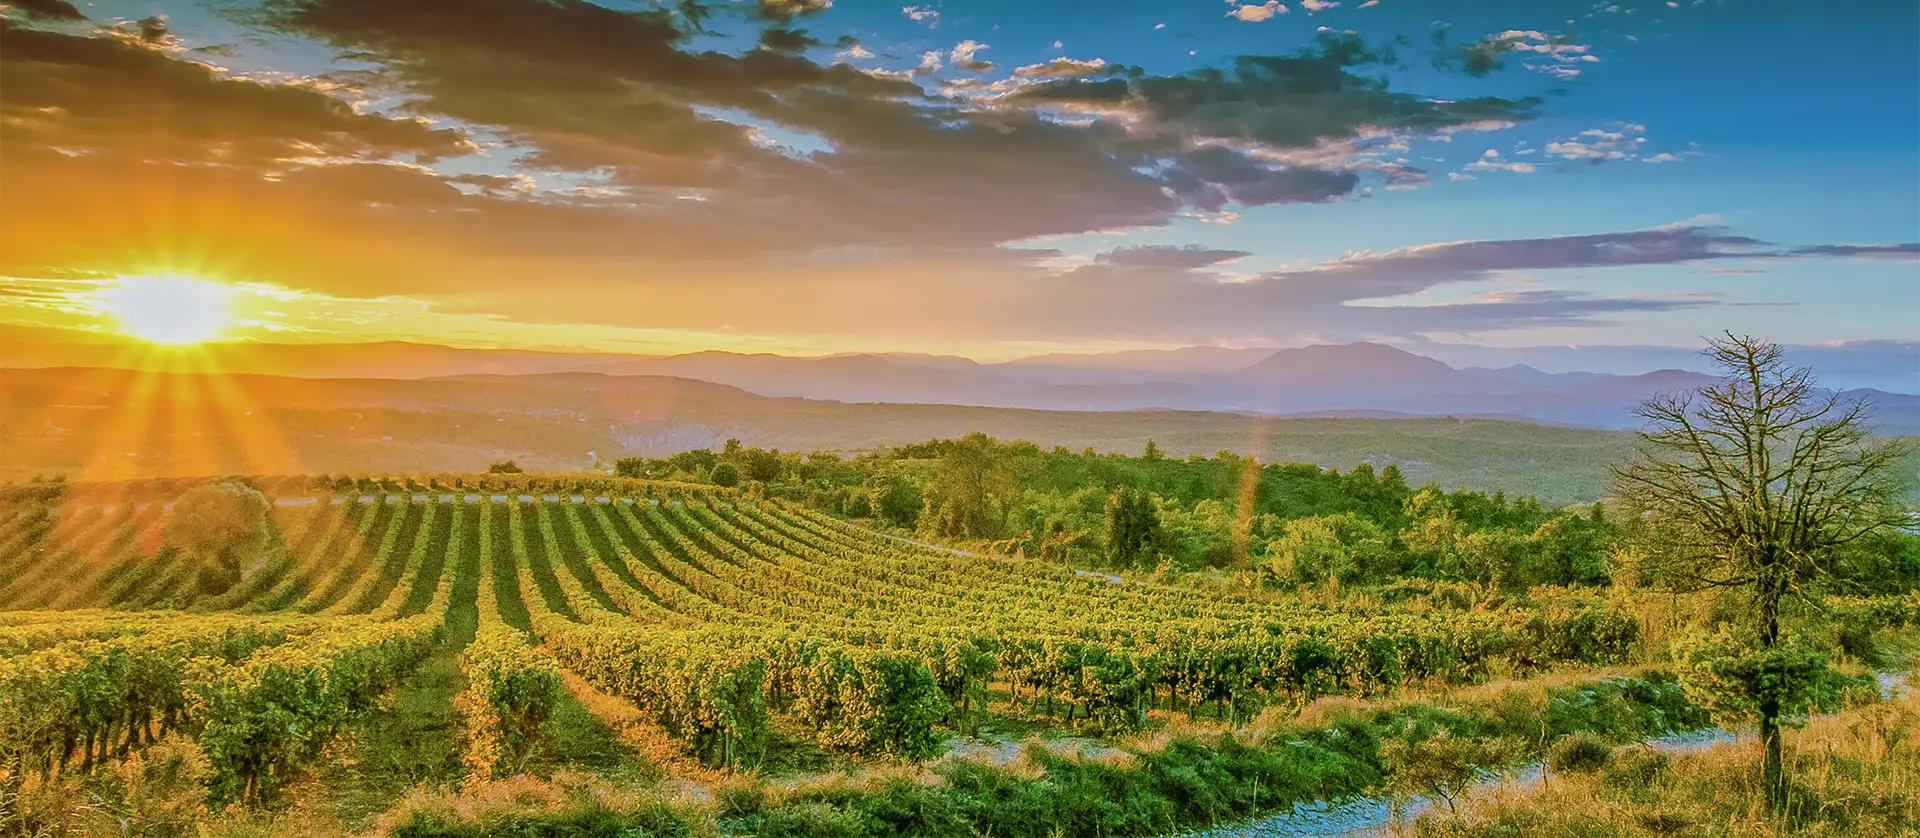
point(109, 423)
point(1330, 377)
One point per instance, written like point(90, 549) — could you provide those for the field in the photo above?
point(517, 625)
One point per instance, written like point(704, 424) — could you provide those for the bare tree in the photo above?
point(1749, 485)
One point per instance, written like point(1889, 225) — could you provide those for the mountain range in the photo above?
point(1356, 377)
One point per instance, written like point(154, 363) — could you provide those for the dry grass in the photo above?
point(1856, 773)
point(525, 796)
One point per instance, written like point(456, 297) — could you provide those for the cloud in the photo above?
point(1165, 293)
point(1869, 252)
point(1553, 55)
point(785, 10)
point(47, 9)
point(852, 48)
point(1061, 68)
point(1491, 162)
point(116, 97)
point(1256, 13)
point(1294, 101)
point(1318, 6)
point(1623, 141)
point(963, 57)
point(575, 163)
point(922, 14)
point(1163, 256)
point(1210, 177)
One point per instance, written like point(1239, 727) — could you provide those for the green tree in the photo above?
point(761, 464)
point(223, 529)
point(725, 474)
point(1749, 486)
point(1133, 528)
point(1566, 550)
point(504, 467)
point(898, 501)
point(1308, 551)
point(966, 498)
point(630, 467)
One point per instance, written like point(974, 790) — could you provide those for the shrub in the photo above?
point(1581, 753)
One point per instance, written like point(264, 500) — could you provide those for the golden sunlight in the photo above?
point(168, 309)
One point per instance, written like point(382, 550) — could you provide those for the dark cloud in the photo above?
point(47, 9)
point(153, 30)
point(1211, 177)
point(787, 40)
point(106, 95)
point(621, 93)
point(1293, 101)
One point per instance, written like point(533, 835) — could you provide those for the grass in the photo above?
point(1853, 774)
point(1155, 784)
point(412, 740)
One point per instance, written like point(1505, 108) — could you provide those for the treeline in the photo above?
point(1282, 524)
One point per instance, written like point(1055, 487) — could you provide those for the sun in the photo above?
point(168, 309)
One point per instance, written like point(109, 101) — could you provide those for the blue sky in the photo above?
point(1639, 173)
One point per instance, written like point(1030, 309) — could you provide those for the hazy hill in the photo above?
point(1347, 377)
point(109, 423)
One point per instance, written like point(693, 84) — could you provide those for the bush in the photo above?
point(1581, 753)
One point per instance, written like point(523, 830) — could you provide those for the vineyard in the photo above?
point(727, 624)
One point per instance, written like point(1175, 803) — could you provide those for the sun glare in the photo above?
point(168, 309)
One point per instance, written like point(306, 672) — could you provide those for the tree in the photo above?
point(1750, 486)
point(504, 467)
point(222, 529)
point(761, 464)
point(898, 501)
point(966, 498)
point(1133, 528)
point(725, 474)
point(630, 467)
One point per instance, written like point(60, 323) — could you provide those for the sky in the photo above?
point(991, 179)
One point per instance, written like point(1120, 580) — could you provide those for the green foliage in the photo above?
point(1443, 765)
point(511, 691)
point(1133, 529)
point(504, 467)
point(1582, 753)
point(1731, 674)
point(967, 497)
point(898, 501)
point(725, 474)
